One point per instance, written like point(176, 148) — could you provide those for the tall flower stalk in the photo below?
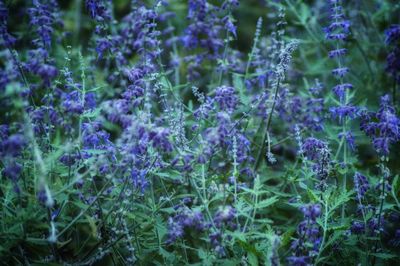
point(337, 32)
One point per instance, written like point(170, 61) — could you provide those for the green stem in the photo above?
point(261, 151)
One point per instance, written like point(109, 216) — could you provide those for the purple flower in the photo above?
point(340, 90)
point(312, 148)
point(318, 152)
point(7, 39)
point(382, 126)
point(13, 171)
point(43, 15)
point(40, 65)
point(344, 111)
point(312, 211)
point(226, 98)
point(343, 25)
point(337, 36)
point(225, 216)
point(70, 159)
point(185, 219)
point(338, 52)
point(349, 138)
point(357, 227)
point(175, 230)
point(98, 10)
point(103, 45)
point(395, 241)
point(392, 34)
point(73, 103)
point(95, 138)
point(160, 139)
point(229, 26)
point(12, 146)
point(299, 261)
point(139, 179)
point(305, 247)
point(340, 72)
point(361, 185)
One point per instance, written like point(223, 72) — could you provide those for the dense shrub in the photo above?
point(199, 132)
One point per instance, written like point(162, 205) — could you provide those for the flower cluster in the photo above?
point(185, 219)
point(393, 58)
point(11, 147)
point(382, 126)
point(318, 152)
point(338, 31)
point(306, 247)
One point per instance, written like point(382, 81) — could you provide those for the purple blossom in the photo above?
point(70, 159)
point(337, 53)
point(392, 34)
point(340, 90)
point(344, 111)
point(225, 216)
point(229, 26)
point(337, 36)
point(98, 10)
point(12, 171)
point(184, 220)
point(349, 138)
point(393, 58)
point(73, 103)
point(382, 126)
point(160, 139)
point(12, 145)
point(226, 98)
point(312, 211)
point(306, 247)
point(361, 185)
point(7, 39)
point(40, 64)
point(318, 152)
point(340, 72)
point(312, 148)
point(357, 227)
point(395, 241)
point(43, 16)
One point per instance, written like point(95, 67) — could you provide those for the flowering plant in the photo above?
point(199, 132)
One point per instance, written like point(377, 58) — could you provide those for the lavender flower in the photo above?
point(185, 219)
point(98, 10)
point(5, 38)
point(226, 98)
point(318, 152)
point(306, 247)
point(393, 58)
point(392, 34)
point(43, 16)
point(344, 111)
point(225, 216)
point(341, 89)
point(337, 53)
point(340, 72)
point(361, 186)
point(382, 126)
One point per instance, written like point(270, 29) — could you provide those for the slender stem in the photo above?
point(78, 19)
point(382, 198)
point(261, 151)
point(321, 247)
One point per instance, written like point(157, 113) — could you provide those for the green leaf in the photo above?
point(267, 202)
point(253, 260)
point(384, 256)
